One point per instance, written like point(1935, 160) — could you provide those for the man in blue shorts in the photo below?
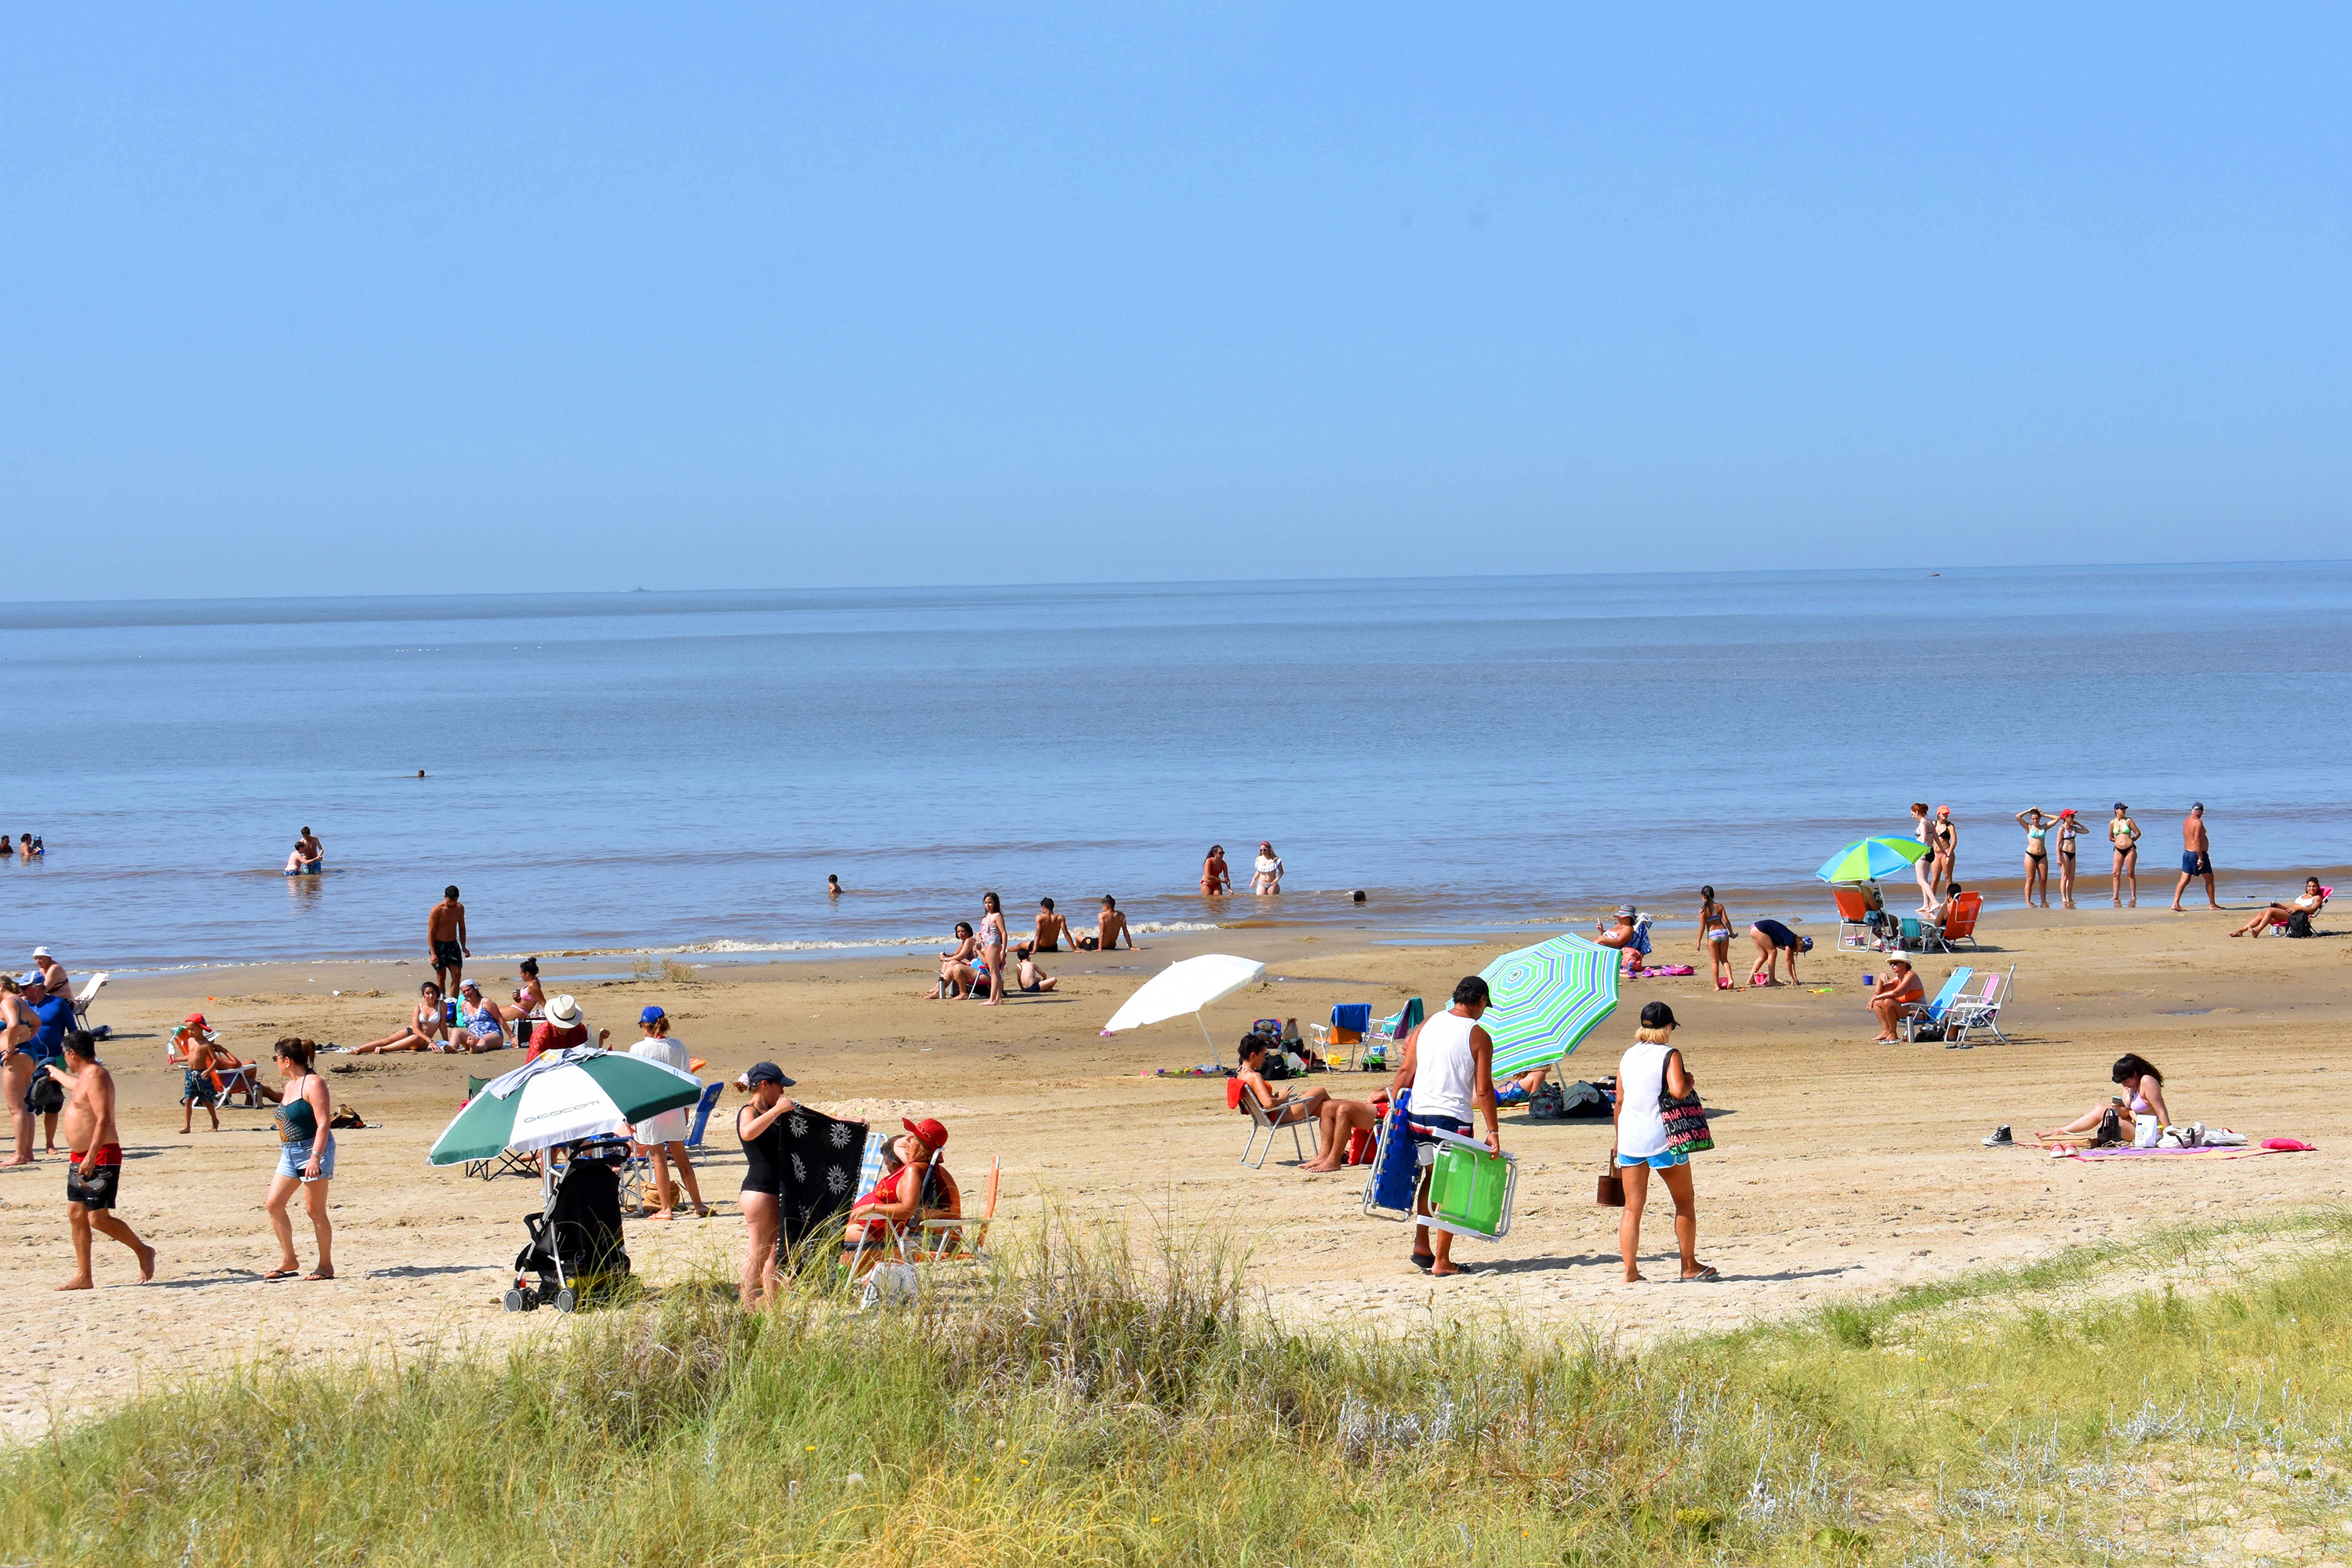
point(2196, 858)
point(1449, 1065)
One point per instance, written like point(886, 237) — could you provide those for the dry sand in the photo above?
point(1841, 1166)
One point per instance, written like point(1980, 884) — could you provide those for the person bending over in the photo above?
point(1898, 992)
point(1773, 943)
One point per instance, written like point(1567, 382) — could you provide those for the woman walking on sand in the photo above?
point(1715, 937)
point(1653, 1068)
point(1924, 868)
point(2123, 836)
point(306, 1160)
point(2037, 825)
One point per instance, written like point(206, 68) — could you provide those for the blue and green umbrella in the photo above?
point(1867, 859)
point(1543, 1001)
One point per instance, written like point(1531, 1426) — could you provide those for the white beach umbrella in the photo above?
point(1187, 987)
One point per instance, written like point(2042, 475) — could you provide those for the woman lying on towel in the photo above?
point(2119, 1120)
point(2314, 900)
point(918, 1189)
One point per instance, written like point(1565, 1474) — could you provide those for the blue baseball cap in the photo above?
point(650, 1013)
point(32, 977)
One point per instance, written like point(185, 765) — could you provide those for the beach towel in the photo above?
point(822, 1155)
point(2209, 1151)
point(1355, 1015)
point(1667, 969)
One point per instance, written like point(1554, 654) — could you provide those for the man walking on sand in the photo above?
point(445, 928)
point(1449, 1065)
point(2196, 858)
point(94, 1179)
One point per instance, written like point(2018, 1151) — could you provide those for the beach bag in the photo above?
point(2111, 1128)
point(1684, 1119)
point(1548, 1103)
point(1611, 1193)
point(2298, 924)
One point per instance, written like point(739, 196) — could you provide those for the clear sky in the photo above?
point(432, 298)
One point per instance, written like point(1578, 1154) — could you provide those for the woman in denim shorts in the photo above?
point(1651, 1066)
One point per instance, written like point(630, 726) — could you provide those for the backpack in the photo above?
point(2298, 924)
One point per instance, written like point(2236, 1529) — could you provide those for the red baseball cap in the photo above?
point(928, 1130)
point(195, 1018)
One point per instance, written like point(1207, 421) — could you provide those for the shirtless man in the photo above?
point(444, 928)
point(314, 854)
point(1282, 1107)
point(1051, 930)
point(1110, 925)
point(94, 1178)
point(2196, 858)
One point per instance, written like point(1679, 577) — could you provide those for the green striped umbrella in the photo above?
point(1545, 999)
point(563, 1095)
point(1867, 859)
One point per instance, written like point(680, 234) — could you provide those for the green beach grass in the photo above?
point(1087, 1403)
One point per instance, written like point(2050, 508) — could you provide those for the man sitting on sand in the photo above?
point(1052, 929)
point(1109, 926)
point(1282, 1108)
point(1898, 992)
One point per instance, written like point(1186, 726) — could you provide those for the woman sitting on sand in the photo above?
point(2314, 900)
point(428, 1028)
point(959, 967)
point(530, 997)
point(2142, 1098)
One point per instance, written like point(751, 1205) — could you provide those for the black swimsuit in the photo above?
point(764, 1161)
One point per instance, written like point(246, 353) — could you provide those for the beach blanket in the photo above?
point(1665, 969)
point(821, 1171)
point(2214, 1151)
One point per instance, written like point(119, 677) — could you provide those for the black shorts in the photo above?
point(97, 1193)
point(448, 955)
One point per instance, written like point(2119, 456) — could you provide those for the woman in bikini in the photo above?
point(1924, 868)
point(2037, 825)
point(1715, 937)
point(2123, 833)
point(1266, 880)
point(2314, 900)
point(1943, 847)
point(2070, 828)
point(2142, 1096)
point(530, 997)
point(428, 1028)
point(1215, 878)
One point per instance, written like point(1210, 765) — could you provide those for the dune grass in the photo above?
point(1090, 1403)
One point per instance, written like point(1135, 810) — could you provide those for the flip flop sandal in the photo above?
point(314, 1274)
point(1706, 1276)
point(280, 1274)
point(1424, 1261)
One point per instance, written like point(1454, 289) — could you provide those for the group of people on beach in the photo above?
point(27, 846)
point(980, 961)
point(1266, 872)
point(2058, 833)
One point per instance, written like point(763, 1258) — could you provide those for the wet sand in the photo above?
point(1841, 1166)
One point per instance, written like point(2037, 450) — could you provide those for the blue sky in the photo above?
point(424, 299)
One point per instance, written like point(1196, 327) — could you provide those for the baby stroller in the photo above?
point(575, 1240)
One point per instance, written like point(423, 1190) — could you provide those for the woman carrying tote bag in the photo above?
point(1650, 1073)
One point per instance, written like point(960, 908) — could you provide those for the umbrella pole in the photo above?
point(1216, 1056)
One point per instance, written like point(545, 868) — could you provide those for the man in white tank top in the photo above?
point(1449, 1065)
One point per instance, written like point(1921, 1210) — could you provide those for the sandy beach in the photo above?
point(1841, 1166)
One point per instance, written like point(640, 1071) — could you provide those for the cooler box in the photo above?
point(1470, 1188)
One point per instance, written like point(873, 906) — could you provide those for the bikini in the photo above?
point(2034, 836)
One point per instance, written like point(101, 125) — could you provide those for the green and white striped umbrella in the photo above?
point(1543, 1001)
point(583, 1092)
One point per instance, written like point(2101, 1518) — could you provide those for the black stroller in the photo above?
point(575, 1240)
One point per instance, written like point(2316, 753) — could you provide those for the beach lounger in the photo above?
point(1854, 926)
point(1922, 1017)
point(1960, 921)
point(943, 1240)
point(1981, 1011)
point(83, 998)
point(505, 1161)
point(1262, 1120)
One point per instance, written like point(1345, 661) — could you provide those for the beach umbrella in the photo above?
point(1543, 1000)
point(1187, 987)
point(583, 1092)
point(1867, 859)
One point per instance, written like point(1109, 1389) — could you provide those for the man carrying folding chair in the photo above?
point(1449, 1064)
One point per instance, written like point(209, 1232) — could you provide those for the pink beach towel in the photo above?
point(2267, 1146)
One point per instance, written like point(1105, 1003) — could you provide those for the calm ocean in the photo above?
point(682, 769)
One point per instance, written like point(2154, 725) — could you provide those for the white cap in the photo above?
point(40, 952)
